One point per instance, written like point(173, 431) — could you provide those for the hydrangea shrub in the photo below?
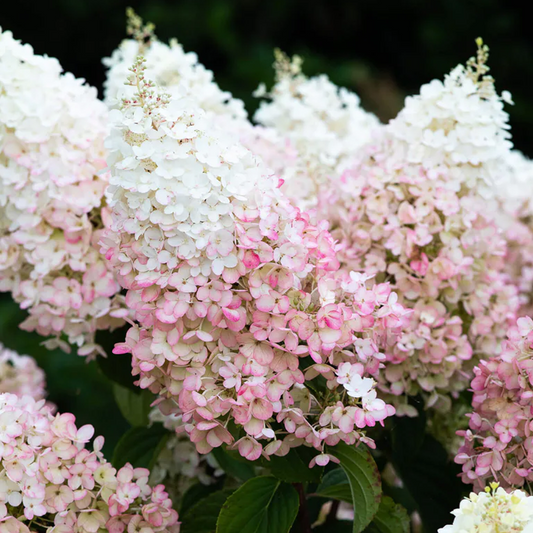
point(307, 302)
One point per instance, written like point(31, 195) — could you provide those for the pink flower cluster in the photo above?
point(50, 482)
point(413, 213)
point(514, 214)
point(499, 442)
point(242, 315)
point(52, 129)
point(20, 375)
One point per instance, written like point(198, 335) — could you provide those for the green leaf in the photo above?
point(363, 477)
point(233, 467)
point(390, 518)
point(134, 405)
point(429, 476)
point(193, 494)
point(140, 446)
point(294, 467)
point(202, 517)
point(261, 505)
point(335, 485)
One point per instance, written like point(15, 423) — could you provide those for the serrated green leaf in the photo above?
point(390, 518)
point(140, 446)
point(294, 467)
point(233, 467)
point(365, 483)
point(202, 517)
point(134, 405)
point(261, 505)
point(335, 485)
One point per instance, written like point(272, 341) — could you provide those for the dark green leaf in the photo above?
point(429, 475)
point(140, 446)
point(196, 492)
point(233, 467)
point(363, 477)
point(402, 496)
point(133, 404)
point(294, 467)
point(202, 517)
point(335, 485)
point(390, 518)
point(261, 505)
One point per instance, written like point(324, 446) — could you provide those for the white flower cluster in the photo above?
point(20, 375)
point(493, 511)
point(514, 188)
point(179, 465)
point(52, 128)
point(459, 126)
point(319, 125)
point(514, 214)
point(176, 184)
point(177, 71)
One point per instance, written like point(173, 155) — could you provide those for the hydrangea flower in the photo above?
point(179, 466)
point(48, 479)
point(237, 296)
point(52, 129)
point(20, 375)
point(312, 130)
point(514, 212)
point(170, 67)
point(498, 444)
point(413, 212)
point(493, 511)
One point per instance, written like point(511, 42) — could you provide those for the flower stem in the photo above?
point(303, 512)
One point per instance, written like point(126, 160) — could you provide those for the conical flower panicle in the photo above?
point(169, 66)
point(414, 212)
point(322, 124)
point(232, 287)
point(52, 129)
point(457, 127)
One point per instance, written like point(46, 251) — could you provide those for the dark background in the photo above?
point(382, 49)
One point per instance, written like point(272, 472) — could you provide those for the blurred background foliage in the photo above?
point(383, 50)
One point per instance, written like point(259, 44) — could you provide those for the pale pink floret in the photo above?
point(52, 196)
point(498, 444)
point(414, 210)
point(225, 319)
point(47, 470)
